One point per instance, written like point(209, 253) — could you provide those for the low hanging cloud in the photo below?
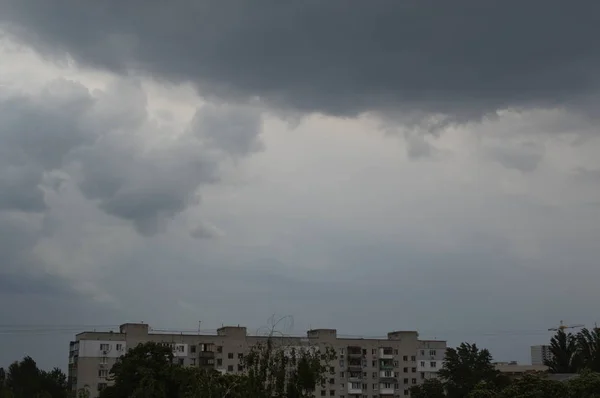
point(462, 59)
point(108, 144)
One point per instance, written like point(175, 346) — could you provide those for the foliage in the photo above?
point(270, 371)
point(588, 349)
point(25, 380)
point(564, 350)
point(466, 367)
point(431, 388)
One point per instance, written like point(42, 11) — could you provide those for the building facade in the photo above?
point(540, 354)
point(364, 367)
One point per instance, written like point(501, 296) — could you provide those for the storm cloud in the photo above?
point(460, 59)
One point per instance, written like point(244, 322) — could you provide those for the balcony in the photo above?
point(386, 389)
point(354, 388)
point(386, 364)
point(355, 377)
point(386, 353)
point(354, 352)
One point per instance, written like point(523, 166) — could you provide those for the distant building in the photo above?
point(514, 370)
point(365, 367)
point(540, 354)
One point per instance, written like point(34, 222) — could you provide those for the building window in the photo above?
point(323, 393)
point(405, 370)
point(365, 386)
point(240, 368)
point(423, 363)
point(405, 392)
point(414, 381)
point(342, 374)
point(396, 374)
point(364, 374)
point(332, 393)
point(395, 364)
point(119, 347)
point(342, 363)
point(405, 358)
point(414, 370)
point(405, 381)
point(193, 361)
point(374, 375)
point(101, 386)
point(230, 368)
point(103, 360)
point(241, 355)
point(396, 351)
point(374, 364)
point(433, 364)
point(432, 352)
point(422, 353)
point(192, 349)
point(375, 386)
point(219, 362)
point(364, 351)
point(230, 355)
point(422, 375)
point(331, 381)
point(219, 348)
point(180, 361)
point(413, 358)
point(105, 347)
point(180, 348)
point(103, 373)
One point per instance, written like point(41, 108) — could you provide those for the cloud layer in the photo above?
point(461, 59)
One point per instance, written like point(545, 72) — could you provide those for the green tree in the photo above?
point(588, 349)
point(276, 370)
point(535, 386)
point(24, 378)
point(465, 367)
point(147, 371)
point(587, 385)
point(564, 350)
point(431, 388)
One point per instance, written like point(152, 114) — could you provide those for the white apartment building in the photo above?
point(540, 354)
point(364, 368)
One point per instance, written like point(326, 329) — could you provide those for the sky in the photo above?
point(369, 167)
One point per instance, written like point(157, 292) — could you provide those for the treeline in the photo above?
point(573, 353)
point(273, 370)
point(25, 380)
point(468, 372)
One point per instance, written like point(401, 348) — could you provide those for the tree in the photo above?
point(24, 378)
point(587, 385)
point(588, 349)
point(465, 367)
point(431, 388)
point(535, 386)
point(276, 370)
point(147, 371)
point(564, 350)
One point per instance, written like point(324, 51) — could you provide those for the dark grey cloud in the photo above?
point(35, 135)
point(123, 161)
point(460, 58)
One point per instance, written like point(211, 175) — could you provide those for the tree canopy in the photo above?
point(271, 370)
point(25, 380)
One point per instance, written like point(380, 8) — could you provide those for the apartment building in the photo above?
point(540, 354)
point(364, 368)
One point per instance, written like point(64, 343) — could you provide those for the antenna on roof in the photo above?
point(199, 322)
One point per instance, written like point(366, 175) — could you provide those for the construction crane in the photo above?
point(562, 327)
